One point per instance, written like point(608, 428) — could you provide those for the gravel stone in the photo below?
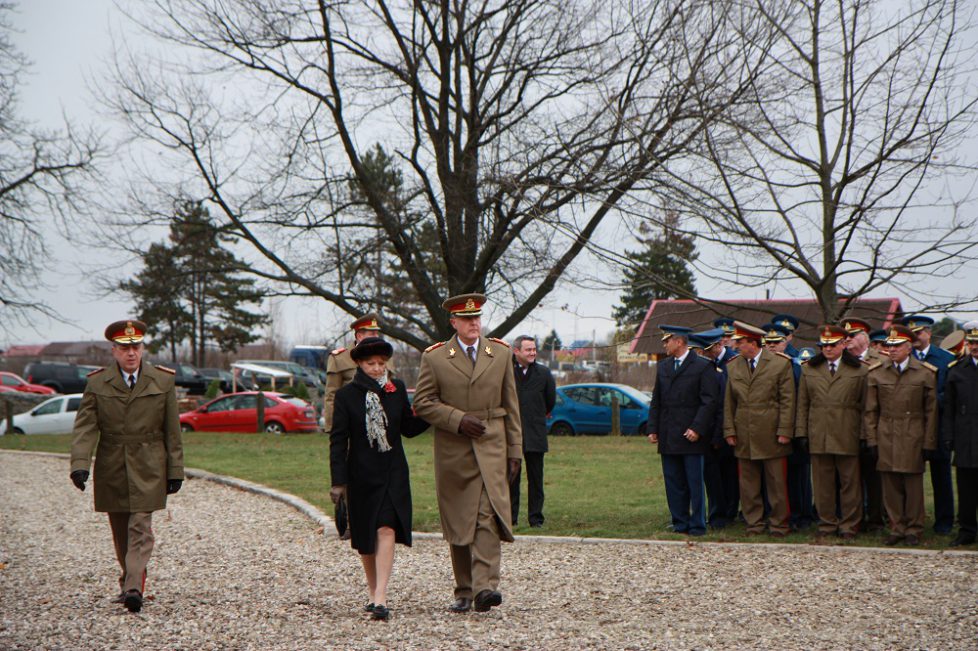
point(234, 570)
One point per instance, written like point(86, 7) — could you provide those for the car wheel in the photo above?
point(184, 427)
point(17, 430)
point(641, 429)
point(561, 428)
point(274, 428)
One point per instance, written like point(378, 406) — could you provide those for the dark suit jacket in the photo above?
point(681, 400)
point(538, 394)
point(960, 424)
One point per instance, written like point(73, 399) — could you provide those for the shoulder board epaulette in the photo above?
point(338, 351)
point(954, 362)
point(434, 346)
point(930, 366)
point(875, 365)
point(95, 372)
point(499, 341)
point(167, 370)
point(787, 357)
point(865, 361)
point(804, 362)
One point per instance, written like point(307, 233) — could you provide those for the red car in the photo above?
point(13, 382)
point(238, 412)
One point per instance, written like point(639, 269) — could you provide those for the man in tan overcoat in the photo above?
point(129, 411)
point(467, 391)
point(759, 422)
point(831, 397)
point(901, 423)
point(340, 367)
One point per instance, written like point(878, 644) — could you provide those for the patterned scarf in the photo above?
point(377, 419)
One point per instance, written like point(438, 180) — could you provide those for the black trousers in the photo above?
point(533, 461)
point(872, 491)
point(940, 481)
point(968, 500)
point(722, 486)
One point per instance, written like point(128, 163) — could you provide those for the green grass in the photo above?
point(595, 486)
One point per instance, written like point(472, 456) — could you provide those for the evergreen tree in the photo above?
point(551, 343)
point(660, 269)
point(193, 290)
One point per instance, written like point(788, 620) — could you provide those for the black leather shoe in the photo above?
point(369, 608)
point(461, 605)
point(486, 600)
point(133, 601)
point(381, 613)
point(892, 539)
point(911, 540)
point(963, 539)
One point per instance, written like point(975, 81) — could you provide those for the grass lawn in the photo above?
point(595, 486)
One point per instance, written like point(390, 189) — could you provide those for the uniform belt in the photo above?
point(488, 414)
point(134, 438)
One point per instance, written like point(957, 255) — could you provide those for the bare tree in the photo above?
point(40, 177)
point(508, 131)
point(840, 170)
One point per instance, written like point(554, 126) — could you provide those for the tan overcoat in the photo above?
point(760, 406)
point(830, 407)
point(448, 388)
point(901, 415)
point(137, 434)
point(340, 369)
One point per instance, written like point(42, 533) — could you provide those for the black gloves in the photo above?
point(801, 444)
point(471, 427)
point(873, 452)
point(78, 478)
point(173, 485)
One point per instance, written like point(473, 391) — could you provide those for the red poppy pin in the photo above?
point(389, 387)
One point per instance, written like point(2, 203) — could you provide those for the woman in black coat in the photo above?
point(368, 466)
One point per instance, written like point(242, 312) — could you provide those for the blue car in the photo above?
point(586, 409)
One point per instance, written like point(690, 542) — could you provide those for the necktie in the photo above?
point(132, 381)
point(675, 366)
point(899, 370)
point(832, 368)
point(920, 355)
point(753, 364)
point(471, 352)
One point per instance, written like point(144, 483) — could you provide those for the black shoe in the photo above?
point(486, 600)
point(381, 613)
point(461, 605)
point(963, 539)
point(911, 540)
point(133, 601)
point(536, 525)
point(892, 539)
point(369, 608)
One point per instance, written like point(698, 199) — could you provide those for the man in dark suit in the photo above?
point(960, 434)
point(939, 460)
point(681, 417)
point(790, 324)
point(538, 394)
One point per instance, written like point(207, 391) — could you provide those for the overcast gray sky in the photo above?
point(68, 41)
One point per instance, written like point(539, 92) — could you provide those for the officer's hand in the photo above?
point(513, 470)
point(653, 438)
point(732, 441)
point(173, 485)
point(802, 443)
point(471, 427)
point(873, 452)
point(784, 440)
point(337, 493)
point(78, 478)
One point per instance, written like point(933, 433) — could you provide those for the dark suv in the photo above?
point(188, 377)
point(63, 377)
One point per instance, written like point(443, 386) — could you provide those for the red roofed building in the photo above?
point(699, 315)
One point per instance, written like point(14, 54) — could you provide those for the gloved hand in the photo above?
point(801, 444)
point(173, 485)
point(513, 471)
point(337, 493)
point(873, 452)
point(471, 427)
point(78, 478)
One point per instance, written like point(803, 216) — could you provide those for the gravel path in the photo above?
point(232, 570)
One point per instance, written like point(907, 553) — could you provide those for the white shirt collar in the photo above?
point(465, 346)
point(683, 358)
point(903, 367)
point(125, 376)
point(923, 351)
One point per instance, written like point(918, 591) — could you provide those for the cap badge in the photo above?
point(470, 304)
point(129, 331)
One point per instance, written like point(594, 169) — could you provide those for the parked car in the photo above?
point(54, 416)
point(226, 378)
point(63, 377)
point(238, 412)
point(299, 373)
point(188, 377)
point(586, 409)
point(15, 382)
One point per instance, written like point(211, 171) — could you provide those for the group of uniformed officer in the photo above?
point(841, 435)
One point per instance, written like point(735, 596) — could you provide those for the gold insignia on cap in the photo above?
point(470, 304)
point(773, 333)
point(130, 331)
point(895, 334)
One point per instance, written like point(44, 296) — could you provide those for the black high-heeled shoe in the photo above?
point(381, 613)
point(369, 608)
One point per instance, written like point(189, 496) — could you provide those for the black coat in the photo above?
point(681, 400)
point(368, 473)
point(960, 425)
point(538, 395)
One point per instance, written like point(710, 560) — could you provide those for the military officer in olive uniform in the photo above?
point(831, 396)
point(759, 422)
point(467, 391)
point(901, 427)
point(340, 368)
point(128, 417)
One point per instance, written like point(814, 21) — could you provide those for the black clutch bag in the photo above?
point(341, 518)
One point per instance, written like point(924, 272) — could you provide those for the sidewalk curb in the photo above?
point(329, 528)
